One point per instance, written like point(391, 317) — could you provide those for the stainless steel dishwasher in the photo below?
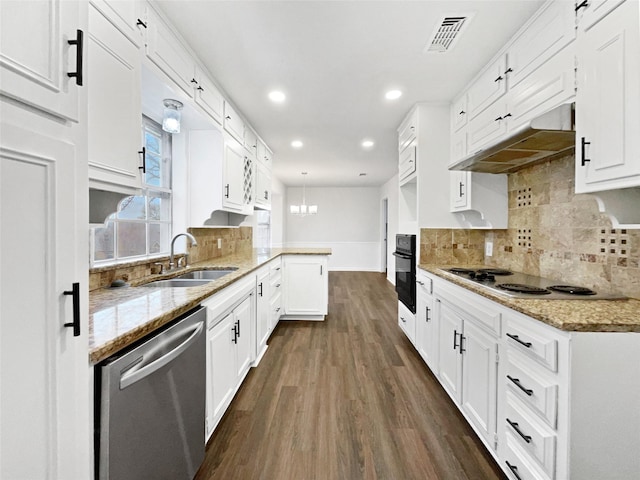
point(150, 408)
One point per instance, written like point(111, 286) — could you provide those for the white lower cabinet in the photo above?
point(426, 326)
point(263, 310)
point(407, 322)
point(230, 337)
point(306, 287)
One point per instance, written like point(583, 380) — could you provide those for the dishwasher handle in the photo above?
point(142, 369)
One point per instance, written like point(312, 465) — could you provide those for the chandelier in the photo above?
point(303, 209)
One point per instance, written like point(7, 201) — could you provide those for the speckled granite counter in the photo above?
point(120, 316)
point(569, 315)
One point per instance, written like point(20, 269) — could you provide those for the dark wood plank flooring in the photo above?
point(348, 398)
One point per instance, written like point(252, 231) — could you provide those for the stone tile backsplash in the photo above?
point(551, 233)
point(233, 240)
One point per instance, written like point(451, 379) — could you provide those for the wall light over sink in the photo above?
point(171, 115)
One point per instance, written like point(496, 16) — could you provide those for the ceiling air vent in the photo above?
point(446, 34)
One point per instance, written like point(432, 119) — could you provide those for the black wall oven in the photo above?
point(406, 270)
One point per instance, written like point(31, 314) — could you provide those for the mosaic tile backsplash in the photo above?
point(232, 239)
point(552, 233)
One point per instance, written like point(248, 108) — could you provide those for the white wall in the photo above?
point(390, 191)
point(348, 222)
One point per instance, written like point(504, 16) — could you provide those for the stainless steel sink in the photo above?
point(207, 274)
point(176, 282)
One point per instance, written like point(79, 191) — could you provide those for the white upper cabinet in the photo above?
point(166, 50)
point(233, 175)
point(233, 123)
point(459, 113)
point(35, 65)
point(263, 185)
point(592, 11)
point(485, 193)
point(126, 16)
point(264, 154)
point(489, 86)
point(250, 141)
point(115, 111)
point(208, 96)
point(608, 101)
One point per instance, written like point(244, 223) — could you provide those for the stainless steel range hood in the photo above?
point(549, 136)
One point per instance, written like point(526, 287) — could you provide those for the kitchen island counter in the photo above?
point(120, 316)
point(575, 315)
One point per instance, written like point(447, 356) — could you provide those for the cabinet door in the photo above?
point(608, 102)
point(233, 175)
point(449, 359)
point(489, 125)
point(125, 15)
point(250, 141)
point(460, 188)
point(489, 87)
point(594, 10)
point(459, 145)
point(44, 383)
point(426, 340)
point(263, 310)
point(263, 185)
point(459, 113)
point(479, 379)
point(165, 49)
point(242, 316)
point(208, 96)
point(233, 123)
point(264, 154)
point(305, 285)
point(221, 369)
point(115, 108)
point(34, 62)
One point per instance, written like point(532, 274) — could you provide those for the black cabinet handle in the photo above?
point(516, 427)
point(260, 293)
point(143, 152)
point(462, 350)
point(140, 22)
point(320, 269)
point(506, 116)
point(455, 337)
point(266, 195)
point(509, 70)
point(235, 334)
point(462, 112)
point(517, 339)
point(461, 192)
point(226, 190)
point(514, 470)
point(498, 119)
point(428, 318)
point(499, 79)
point(583, 4)
point(584, 158)
point(402, 318)
point(278, 309)
point(228, 117)
point(78, 42)
point(200, 88)
point(516, 382)
point(238, 323)
point(277, 285)
point(193, 80)
point(75, 293)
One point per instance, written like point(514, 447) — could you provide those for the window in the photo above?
point(142, 225)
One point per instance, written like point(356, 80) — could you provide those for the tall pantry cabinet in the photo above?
point(44, 375)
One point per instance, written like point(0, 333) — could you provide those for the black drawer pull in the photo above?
point(499, 79)
point(514, 470)
point(515, 426)
point(78, 42)
point(517, 339)
point(260, 289)
point(517, 383)
point(455, 339)
point(428, 317)
point(462, 339)
point(140, 22)
point(584, 158)
point(584, 4)
point(143, 152)
point(75, 293)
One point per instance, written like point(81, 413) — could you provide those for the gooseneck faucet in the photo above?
point(194, 243)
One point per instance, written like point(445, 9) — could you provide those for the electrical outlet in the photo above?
point(488, 249)
point(219, 243)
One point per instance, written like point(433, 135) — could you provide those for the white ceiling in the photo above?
point(335, 60)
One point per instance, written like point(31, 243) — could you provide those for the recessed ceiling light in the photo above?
point(296, 144)
point(367, 143)
point(277, 96)
point(393, 94)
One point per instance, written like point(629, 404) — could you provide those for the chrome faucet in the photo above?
point(194, 243)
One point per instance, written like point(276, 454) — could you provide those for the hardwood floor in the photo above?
point(348, 398)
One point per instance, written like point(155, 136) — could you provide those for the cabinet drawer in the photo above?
point(485, 312)
point(407, 133)
point(407, 321)
point(518, 464)
point(276, 307)
point(533, 341)
point(534, 437)
point(407, 163)
point(534, 390)
point(276, 284)
point(275, 267)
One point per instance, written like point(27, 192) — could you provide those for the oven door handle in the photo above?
point(402, 255)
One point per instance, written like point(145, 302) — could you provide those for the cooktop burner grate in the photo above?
point(573, 290)
point(521, 288)
point(494, 271)
point(460, 270)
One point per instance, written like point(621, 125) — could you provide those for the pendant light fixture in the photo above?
point(171, 115)
point(303, 209)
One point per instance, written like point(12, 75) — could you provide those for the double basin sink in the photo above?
point(192, 279)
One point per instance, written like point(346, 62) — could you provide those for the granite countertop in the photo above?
point(578, 315)
point(120, 316)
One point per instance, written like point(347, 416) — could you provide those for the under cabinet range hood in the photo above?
point(548, 136)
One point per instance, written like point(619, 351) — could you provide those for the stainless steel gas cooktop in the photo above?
point(520, 285)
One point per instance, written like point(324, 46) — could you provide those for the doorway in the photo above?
point(384, 235)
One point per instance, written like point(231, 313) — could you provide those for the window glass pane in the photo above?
point(159, 206)
point(158, 237)
point(104, 242)
point(132, 208)
point(153, 176)
point(152, 142)
point(132, 239)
